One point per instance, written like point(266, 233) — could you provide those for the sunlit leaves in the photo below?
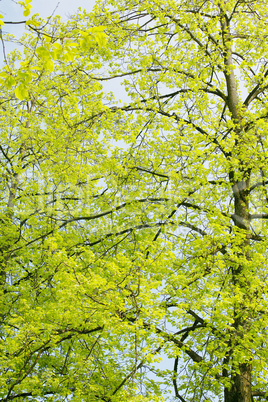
point(53, 48)
point(26, 4)
point(21, 92)
point(132, 232)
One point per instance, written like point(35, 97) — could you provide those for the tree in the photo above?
point(195, 171)
point(135, 230)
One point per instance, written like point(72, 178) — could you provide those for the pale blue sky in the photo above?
point(12, 11)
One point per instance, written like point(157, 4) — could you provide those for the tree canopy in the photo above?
point(136, 229)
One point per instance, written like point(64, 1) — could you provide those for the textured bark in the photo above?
point(241, 388)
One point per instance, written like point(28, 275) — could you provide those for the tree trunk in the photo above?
point(240, 390)
point(241, 386)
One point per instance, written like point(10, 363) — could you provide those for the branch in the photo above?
point(128, 376)
point(174, 380)
point(15, 22)
point(111, 211)
point(258, 216)
point(196, 317)
point(24, 395)
point(4, 50)
point(172, 338)
point(151, 172)
point(261, 394)
point(192, 227)
point(167, 337)
point(258, 184)
point(255, 91)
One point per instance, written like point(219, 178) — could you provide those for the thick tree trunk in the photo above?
point(240, 390)
point(241, 386)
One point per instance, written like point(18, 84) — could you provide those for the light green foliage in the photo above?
point(135, 231)
point(195, 134)
point(26, 4)
point(61, 42)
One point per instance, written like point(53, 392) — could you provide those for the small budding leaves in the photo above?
point(49, 52)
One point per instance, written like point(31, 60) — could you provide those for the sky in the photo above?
point(11, 11)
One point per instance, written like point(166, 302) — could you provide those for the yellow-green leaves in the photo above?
point(57, 50)
point(9, 81)
point(45, 144)
point(21, 92)
point(59, 45)
point(93, 36)
point(46, 58)
point(1, 20)
point(26, 4)
point(99, 35)
point(135, 231)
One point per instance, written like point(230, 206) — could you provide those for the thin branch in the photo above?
point(258, 184)
point(3, 46)
point(15, 22)
point(260, 394)
point(255, 91)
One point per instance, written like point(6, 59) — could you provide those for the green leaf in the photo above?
point(21, 92)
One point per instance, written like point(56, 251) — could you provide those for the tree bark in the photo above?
point(241, 386)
